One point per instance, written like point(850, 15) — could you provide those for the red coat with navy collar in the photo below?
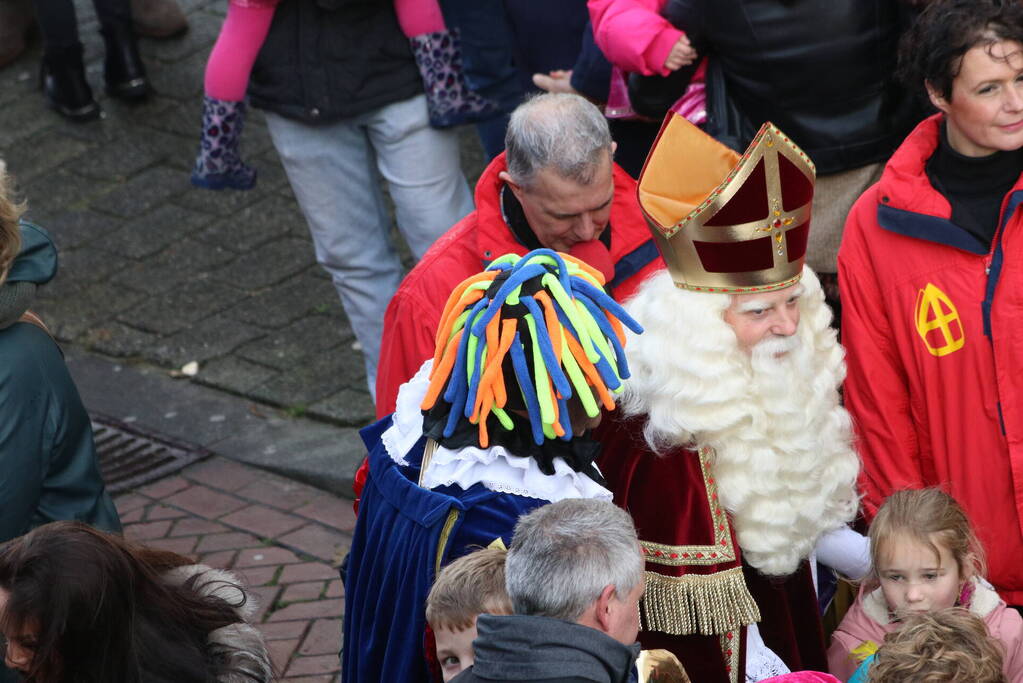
point(932, 323)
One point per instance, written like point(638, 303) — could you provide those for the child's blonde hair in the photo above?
point(10, 233)
point(928, 516)
point(933, 647)
point(469, 586)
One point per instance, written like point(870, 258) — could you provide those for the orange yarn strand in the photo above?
point(441, 372)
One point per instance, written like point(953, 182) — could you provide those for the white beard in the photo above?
point(783, 457)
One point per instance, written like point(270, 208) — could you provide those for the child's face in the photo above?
point(454, 649)
point(913, 579)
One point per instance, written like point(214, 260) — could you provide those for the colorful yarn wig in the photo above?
point(541, 323)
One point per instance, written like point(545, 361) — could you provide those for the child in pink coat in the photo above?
point(926, 557)
point(219, 165)
point(636, 38)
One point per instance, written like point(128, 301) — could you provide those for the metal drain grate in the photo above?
point(130, 457)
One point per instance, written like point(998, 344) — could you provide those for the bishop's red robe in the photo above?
point(700, 596)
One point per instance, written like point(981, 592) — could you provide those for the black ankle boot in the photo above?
point(64, 84)
point(125, 74)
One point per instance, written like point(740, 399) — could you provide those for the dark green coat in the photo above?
point(48, 467)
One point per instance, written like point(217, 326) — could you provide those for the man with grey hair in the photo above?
point(556, 186)
point(575, 576)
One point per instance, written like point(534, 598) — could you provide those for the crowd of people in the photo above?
point(618, 437)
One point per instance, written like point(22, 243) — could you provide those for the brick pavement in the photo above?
point(284, 539)
point(156, 271)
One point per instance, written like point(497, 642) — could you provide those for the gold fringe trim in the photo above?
point(708, 604)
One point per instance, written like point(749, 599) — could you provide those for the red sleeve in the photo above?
point(410, 329)
point(876, 389)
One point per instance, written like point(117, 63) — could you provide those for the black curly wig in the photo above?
point(932, 50)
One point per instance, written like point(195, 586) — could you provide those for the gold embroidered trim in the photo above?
point(692, 555)
point(730, 651)
point(708, 604)
point(445, 536)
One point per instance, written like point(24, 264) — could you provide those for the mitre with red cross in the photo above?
point(724, 222)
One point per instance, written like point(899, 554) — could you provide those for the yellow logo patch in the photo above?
point(937, 322)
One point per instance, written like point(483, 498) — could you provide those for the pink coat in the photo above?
point(633, 35)
point(867, 621)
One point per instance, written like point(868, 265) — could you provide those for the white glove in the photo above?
point(845, 551)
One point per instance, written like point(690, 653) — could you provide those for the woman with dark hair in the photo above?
point(79, 605)
point(931, 271)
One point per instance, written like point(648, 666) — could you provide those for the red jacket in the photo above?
point(929, 321)
point(410, 324)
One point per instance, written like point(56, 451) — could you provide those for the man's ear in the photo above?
point(515, 187)
point(605, 608)
point(936, 98)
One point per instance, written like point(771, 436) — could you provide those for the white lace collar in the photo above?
point(495, 468)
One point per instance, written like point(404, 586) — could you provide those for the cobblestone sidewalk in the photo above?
point(154, 270)
point(284, 539)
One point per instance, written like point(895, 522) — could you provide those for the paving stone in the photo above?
point(318, 541)
point(73, 229)
point(164, 487)
point(277, 630)
point(142, 192)
point(146, 235)
point(112, 338)
point(165, 512)
point(258, 576)
point(307, 610)
point(303, 340)
point(205, 502)
point(183, 546)
point(335, 589)
point(281, 651)
point(196, 526)
point(227, 541)
point(146, 531)
point(266, 521)
point(116, 160)
point(258, 557)
point(181, 307)
point(307, 571)
point(222, 559)
point(40, 154)
point(269, 263)
point(331, 511)
point(201, 341)
point(301, 592)
point(222, 473)
point(182, 262)
point(348, 407)
point(22, 119)
point(178, 81)
point(253, 225)
point(85, 318)
point(324, 637)
point(264, 597)
point(129, 502)
point(220, 203)
point(312, 379)
point(234, 374)
point(280, 492)
point(81, 267)
point(328, 678)
point(287, 302)
point(318, 664)
point(135, 515)
point(200, 35)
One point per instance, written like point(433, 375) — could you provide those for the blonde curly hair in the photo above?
point(938, 647)
point(10, 214)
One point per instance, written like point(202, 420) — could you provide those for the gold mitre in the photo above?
point(725, 223)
